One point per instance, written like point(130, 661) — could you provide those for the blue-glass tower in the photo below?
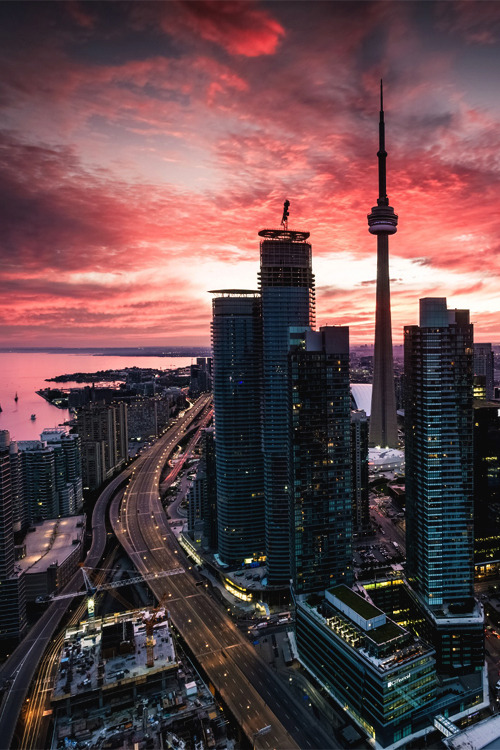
point(237, 341)
point(439, 483)
point(439, 453)
point(287, 291)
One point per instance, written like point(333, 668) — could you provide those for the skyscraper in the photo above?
point(236, 341)
point(39, 477)
point(320, 459)
point(439, 489)
point(19, 510)
point(6, 522)
point(68, 469)
point(484, 367)
point(382, 222)
point(12, 583)
point(287, 291)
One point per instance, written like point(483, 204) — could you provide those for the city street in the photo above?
point(251, 691)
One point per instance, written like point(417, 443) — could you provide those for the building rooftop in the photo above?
point(482, 736)
point(112, 651)
point(385, 633)
point(368, 644)
point(51, 542)
point(355, 602)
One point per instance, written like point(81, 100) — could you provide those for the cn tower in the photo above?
point(382, 222)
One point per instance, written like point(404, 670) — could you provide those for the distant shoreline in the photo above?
point(113, 351)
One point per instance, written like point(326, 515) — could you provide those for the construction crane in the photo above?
point(91, 590)
point(150, 618)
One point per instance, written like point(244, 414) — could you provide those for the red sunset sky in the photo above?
point(143, 145)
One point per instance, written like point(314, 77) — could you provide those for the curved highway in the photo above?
point(255, 695)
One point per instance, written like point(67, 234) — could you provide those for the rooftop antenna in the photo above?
point(382, 199)
point(284, 220)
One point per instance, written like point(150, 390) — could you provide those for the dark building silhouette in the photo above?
point(320, 459)
point(12, 583)
point(200, 376)
point(484, 367)
point(382, 222)
point(103, 431)
point(486, 483)
point(209, 511)
point(237, 343)
point(287, 290)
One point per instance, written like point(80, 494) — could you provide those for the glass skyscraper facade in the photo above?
point(237, 343)
point(287, 291)
point(359, 464)
point(320, 459)
point(439, 453)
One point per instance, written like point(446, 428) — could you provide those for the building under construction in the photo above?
point(120, 680)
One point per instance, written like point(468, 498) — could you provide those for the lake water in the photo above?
point(25, 373)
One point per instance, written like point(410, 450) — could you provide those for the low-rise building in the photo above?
point(53, 550)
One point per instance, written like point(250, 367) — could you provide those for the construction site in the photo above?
point(122, 682)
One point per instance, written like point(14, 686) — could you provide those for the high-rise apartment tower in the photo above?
point(12, 582)
point(382, 222)
point(439, 482)
point(287, 291)
point(237, 344)
point(320, 459)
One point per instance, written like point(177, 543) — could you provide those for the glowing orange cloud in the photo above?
point(143, 145)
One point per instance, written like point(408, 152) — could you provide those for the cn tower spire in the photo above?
point(382, 222)
point(382, 199)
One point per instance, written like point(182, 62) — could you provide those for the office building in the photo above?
point(12, 585)
point(287, 292)
point(382, 675)
point(237, 380)
point(439, 489)
point(103, 431)
point(320, 459)
point(382, 222)
point(484, 367)
point(148, 417)
point(200, 376)
point(94, 472)
point(359, 463)
point(68, 469)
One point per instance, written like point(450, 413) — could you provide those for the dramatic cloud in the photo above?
point(144, 144)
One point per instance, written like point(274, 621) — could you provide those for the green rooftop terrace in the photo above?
point(355, 602)
point(385, 633)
